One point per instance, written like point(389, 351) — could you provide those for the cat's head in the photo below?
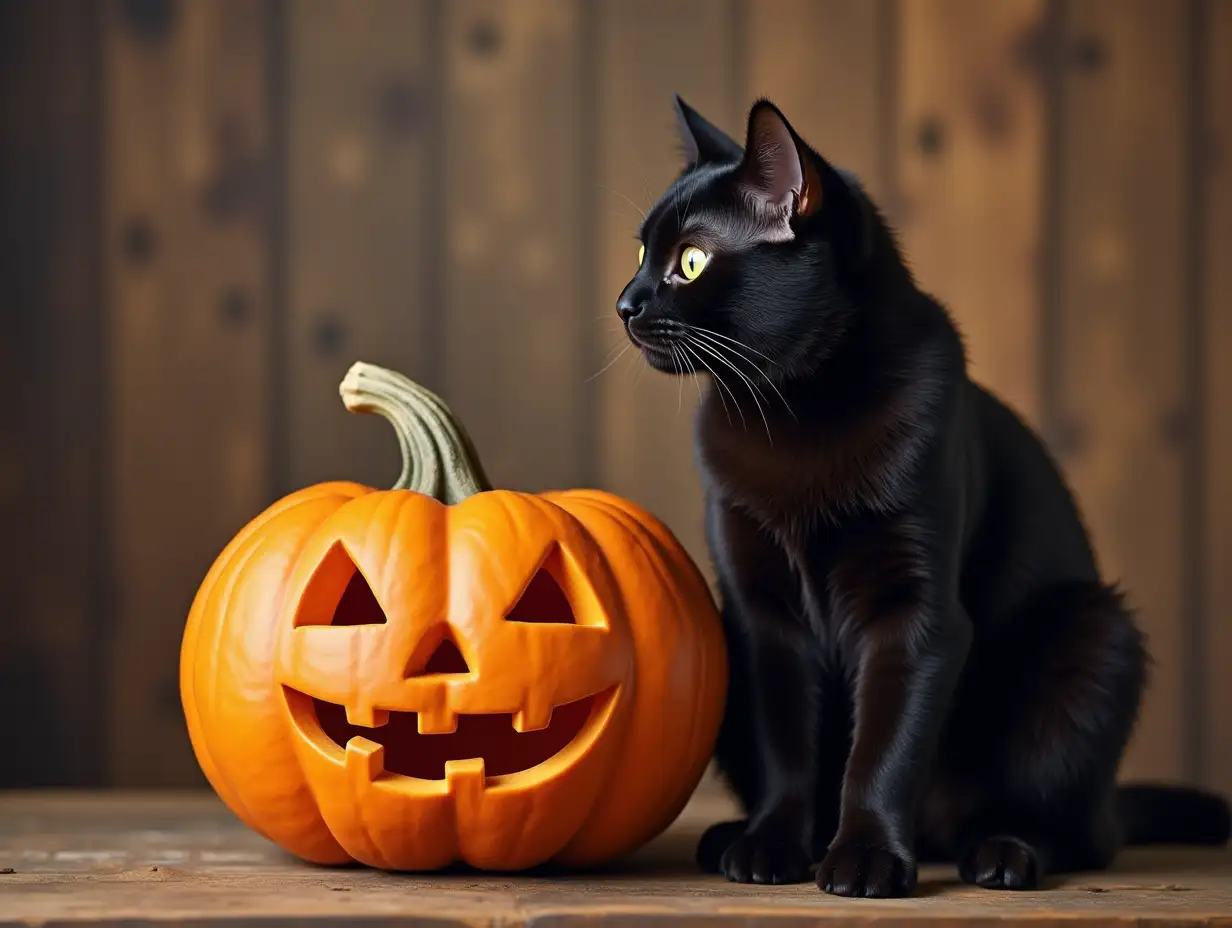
point(757, 249)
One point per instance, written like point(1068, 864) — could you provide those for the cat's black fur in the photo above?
point(925, 660)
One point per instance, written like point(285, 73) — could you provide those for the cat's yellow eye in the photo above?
point(692, 262)
point(641, 254)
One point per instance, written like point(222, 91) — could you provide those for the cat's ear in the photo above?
point(704, 142)
point(778, 170)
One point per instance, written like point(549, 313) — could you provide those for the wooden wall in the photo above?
point(211, 209)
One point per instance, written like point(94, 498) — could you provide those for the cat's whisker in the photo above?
point(608, 365)
point(707, 334)
point(633, 365)
point(641, 368)
point(696, 382)
point(645, 182)
point(753, 391)
point(679, 368)
point(616, 346)
point(641, 212)
point(719, 385)
point(720, 348)
point(728, 338)
point(687, 204)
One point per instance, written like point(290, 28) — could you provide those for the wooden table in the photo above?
point(115, 859)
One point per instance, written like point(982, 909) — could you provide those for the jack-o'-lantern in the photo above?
point(444, 672)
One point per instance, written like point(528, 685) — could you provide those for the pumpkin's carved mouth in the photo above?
point(490, 737)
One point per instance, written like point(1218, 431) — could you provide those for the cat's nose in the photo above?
point(628, 309)
point(632, 302)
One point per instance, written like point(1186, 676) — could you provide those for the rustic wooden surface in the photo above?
point(114, 859)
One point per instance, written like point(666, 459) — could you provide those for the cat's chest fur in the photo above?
point(794, 478)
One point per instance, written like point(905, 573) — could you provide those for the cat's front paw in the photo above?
point(714, 843)
point(852, 869)
point(766, 857)
point(1001, 862)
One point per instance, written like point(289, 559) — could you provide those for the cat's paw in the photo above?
point(1001, 862)
point(715, 841)
point(765, 857)
point(872, 872)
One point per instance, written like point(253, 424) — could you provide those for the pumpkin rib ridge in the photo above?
point(613, 513)
point(222, 563)
point(217, 600)
point(677, 576)
point(241, 558)
point(565, 497)
point(310, 819)
point(666, 556)
point(715, 645)
point(196, 617)
point(364, 831)
point(236, 572)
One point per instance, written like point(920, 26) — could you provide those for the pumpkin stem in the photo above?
point(438, 458)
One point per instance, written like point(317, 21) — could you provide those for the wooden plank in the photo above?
point(515, 323)
point(187, 259)
point(120, 860)
point(359, 223)
point(1216, 290)
point(1121, 290)
point(971, 145)
point(646, 440)
point(52, 614)
point(822, 62)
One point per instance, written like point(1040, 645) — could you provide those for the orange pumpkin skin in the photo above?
point(646, 652)
point(235, 715)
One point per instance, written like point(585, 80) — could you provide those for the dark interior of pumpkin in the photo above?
point(491, 737)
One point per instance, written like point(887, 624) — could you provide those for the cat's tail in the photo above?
point(1155, 814)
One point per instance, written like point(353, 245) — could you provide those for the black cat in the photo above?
point(925, 661)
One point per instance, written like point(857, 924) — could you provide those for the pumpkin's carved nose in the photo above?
point(445, 659)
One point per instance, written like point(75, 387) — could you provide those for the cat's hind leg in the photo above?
point(1042, 728)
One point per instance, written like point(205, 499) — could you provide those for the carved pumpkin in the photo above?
point(443, 672)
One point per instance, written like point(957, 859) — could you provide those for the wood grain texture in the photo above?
point(822, 64)
point(359, 223)
point(970, 155)
point(1215, 157)
point(121, 860)
point(515, 324)
point(187, 268)
point(647, 51)
point(52, 605)
point(1122, 289)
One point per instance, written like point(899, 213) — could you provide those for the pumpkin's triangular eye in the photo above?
point(543, 601)
point(358, 605)
point(338, 594)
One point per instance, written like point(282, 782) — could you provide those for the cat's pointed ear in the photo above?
point(778, 169)
point(704, 142)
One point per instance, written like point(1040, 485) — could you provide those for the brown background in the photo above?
point(209, 209)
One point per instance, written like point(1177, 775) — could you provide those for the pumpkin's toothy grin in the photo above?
point(493, 738)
